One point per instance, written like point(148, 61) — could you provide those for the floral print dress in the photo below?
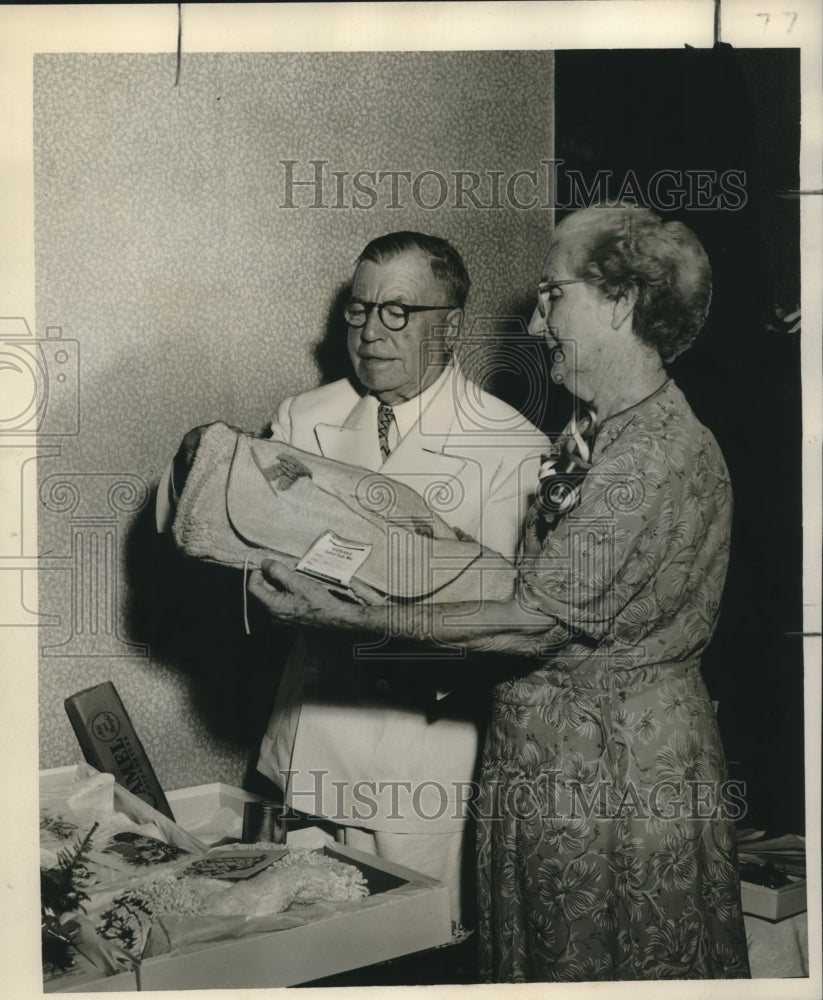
point(605, 820)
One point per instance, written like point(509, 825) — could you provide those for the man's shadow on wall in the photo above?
point(191, 613)
point(331, 353)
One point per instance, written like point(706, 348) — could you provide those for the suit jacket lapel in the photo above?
point(422, 450)
point(354, 441)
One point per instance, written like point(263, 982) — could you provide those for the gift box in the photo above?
point(773, 903)
point(773, 874)
point(404, 912)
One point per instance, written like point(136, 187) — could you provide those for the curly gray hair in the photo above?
point(619, 248)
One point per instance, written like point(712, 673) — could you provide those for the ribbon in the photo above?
point(561, 474)
point(104, 955)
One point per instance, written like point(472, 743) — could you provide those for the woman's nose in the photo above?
point(538, 325)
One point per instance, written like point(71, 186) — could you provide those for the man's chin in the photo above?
point(377, 375)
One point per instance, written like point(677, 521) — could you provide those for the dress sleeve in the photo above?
point(599, 557)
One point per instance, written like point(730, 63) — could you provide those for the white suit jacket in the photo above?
point(353, 738)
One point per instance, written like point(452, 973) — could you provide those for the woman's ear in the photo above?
point(623, 307)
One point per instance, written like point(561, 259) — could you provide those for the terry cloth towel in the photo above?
point(244, 496)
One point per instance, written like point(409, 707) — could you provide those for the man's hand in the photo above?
point(297, 599)
point(184, 458)
point(504, 626)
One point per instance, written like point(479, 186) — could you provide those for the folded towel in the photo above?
point(246, 497)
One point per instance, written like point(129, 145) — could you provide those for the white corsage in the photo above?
point(561, 473)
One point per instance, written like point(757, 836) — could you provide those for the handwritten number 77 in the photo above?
point(786, 13)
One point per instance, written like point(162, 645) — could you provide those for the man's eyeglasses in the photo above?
point(547, 289)
point(393, 315)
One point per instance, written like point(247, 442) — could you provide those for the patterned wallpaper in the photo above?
point(189, 293)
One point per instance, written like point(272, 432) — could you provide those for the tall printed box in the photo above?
point(109, 743)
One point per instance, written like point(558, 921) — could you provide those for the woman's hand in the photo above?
point(295, 598)
point(496, 626)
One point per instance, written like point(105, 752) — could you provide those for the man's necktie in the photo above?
point(385, 418)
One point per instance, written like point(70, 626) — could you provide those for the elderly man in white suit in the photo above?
point(350, 738)
point(353, 738)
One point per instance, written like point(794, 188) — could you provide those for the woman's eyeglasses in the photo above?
point(393, 315)
point(551, 291)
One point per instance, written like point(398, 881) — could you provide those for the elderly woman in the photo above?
point(606, 846)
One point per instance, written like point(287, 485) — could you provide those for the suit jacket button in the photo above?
point(382, 685)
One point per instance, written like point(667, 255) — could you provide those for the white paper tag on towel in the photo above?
point(334, 559)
